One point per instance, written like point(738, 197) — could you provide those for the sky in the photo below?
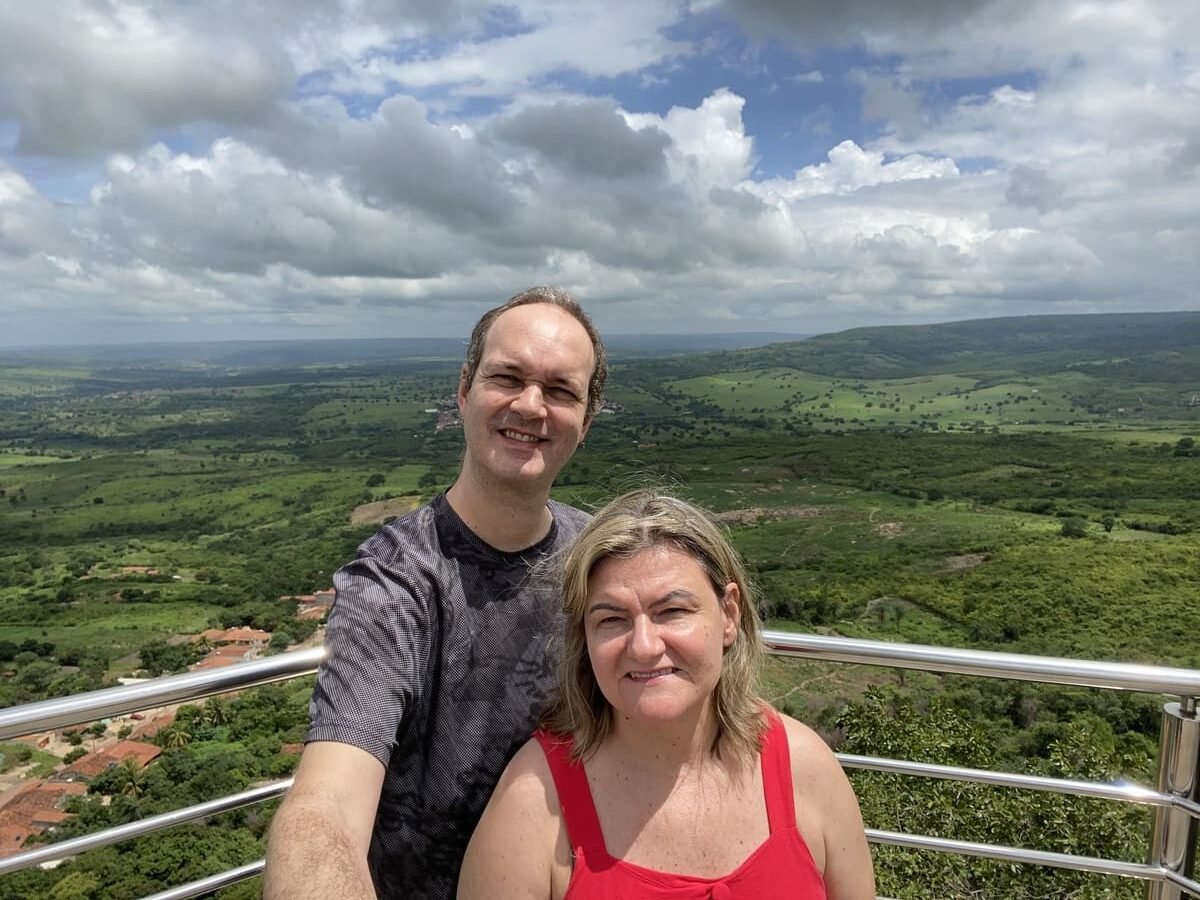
point(361, 168)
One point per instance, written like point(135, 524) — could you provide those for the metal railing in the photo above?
point(1168, 872)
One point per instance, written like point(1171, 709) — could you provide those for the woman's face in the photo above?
point(656, 634)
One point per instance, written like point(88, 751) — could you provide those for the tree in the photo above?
point(159, 657)
point(1074, 527)
point(886, 723)
point(76, 886)
point(376, 480)
point(173, 737)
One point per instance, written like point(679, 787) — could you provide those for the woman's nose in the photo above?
point(645, 642)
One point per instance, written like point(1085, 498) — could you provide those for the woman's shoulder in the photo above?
point(813, 762)
point(527, 773)
point(518, 849)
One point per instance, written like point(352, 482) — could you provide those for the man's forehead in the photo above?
point(530, 313)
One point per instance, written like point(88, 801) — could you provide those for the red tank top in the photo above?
point(780, 866)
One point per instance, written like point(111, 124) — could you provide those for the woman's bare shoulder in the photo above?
point(813, 762)
point(518, 848)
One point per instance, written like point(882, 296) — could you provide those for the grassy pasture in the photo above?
point(118, 628)
point(1004, 401)
point(12, 460)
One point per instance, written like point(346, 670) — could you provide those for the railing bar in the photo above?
point(77, 845)
point(988, 664)
point(1091, 864)
point(1128, 793)
point(79, 708)
point(207, 885)
point(1192, 887)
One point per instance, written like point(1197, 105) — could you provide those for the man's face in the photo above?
point(525, 412)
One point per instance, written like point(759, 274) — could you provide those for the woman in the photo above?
point(658, 772)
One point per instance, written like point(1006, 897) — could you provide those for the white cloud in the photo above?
point(973, 159)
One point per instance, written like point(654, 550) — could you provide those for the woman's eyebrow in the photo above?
point(672, 596)
point(602, 605)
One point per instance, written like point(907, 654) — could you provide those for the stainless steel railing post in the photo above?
point(1173, 845)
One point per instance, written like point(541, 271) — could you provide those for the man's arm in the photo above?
point(320, 835)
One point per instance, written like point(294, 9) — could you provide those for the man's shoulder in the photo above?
point(569, 519)
point(415, 528)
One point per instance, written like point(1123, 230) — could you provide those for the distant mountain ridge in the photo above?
point(348, 351)
point(1027, 343)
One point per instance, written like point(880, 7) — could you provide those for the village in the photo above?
point(34, 806)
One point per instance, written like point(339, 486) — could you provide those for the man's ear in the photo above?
point(463, 387)
point(587, 423)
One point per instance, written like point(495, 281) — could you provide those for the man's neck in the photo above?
point(506, 519)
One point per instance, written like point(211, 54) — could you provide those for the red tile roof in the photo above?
point(93, 764)
point(12, 838)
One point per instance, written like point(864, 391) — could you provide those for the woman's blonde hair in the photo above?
point(633, 522)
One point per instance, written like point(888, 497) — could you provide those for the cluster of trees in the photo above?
point(893, 725)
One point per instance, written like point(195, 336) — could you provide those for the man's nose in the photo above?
point(530, 403)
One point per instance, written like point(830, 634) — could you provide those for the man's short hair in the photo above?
point(554, 297)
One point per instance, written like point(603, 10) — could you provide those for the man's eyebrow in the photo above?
point(510, 367)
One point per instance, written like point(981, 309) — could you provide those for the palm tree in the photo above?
point(174, 736)
point(134, 785)
point(216, 712)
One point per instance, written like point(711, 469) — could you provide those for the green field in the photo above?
point(1017, 498)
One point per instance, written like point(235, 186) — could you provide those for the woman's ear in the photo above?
point(731, 609)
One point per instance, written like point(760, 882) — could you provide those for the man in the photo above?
point(439, 638)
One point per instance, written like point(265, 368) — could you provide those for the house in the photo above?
point(91, 765)
point(150, 727)
point(247, 637)
point(33, 808)
point(227, 655)
point(13, 837)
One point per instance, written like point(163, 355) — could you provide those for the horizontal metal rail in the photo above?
point(80, 708)
point(1184, 683)
point(1095, 865)
point(75, 846)
point(1124, 792)
point(988, 664)
point(211, 883)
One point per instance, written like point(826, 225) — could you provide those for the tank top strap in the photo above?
point(777, 775)
point(574, 794)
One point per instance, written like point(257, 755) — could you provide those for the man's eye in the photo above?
point(505, 380)
point(566, 395)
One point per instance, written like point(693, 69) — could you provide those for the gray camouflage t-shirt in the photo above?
point(440, 660)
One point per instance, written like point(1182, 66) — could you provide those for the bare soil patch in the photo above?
point(963, 562)
point(755, 514)
point(889, 530)
point(379, 511)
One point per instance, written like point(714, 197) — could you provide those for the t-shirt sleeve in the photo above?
point(378, 642)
